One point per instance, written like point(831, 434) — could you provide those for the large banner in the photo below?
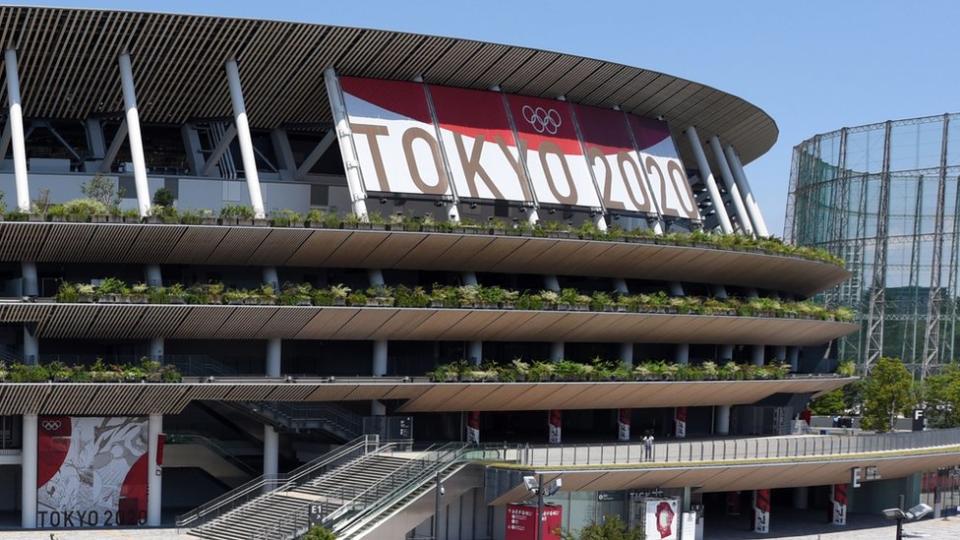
point(395, 138)
point(522, 522)
point(661, 163)
point(661, 520)
point(615, 162)
point(558, 169)
point(480, 146)
point(91, 472)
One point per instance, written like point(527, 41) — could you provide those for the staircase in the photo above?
point(379, 498)
point(204, 520)
point(338, 421)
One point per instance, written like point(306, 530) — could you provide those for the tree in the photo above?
point(319, 533)
point(163, 197)
point(829, 404)
point(941, 393)
point(612, 528)
point(101, 189)
point(887, 391)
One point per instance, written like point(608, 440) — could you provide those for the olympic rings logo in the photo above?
point(51, 425)
point(542, 120)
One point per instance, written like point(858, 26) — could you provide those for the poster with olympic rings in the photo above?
point(555, 162)
point(662, 166)
point(396, 141)
point(615, 162)
point(480, 146)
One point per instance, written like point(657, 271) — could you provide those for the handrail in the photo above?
point(180, 438)
point(274, 481)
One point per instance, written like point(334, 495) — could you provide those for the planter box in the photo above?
point(115, 219)
point(507, 305)
point(109, 299)
point(35, 217)
point(83, 299)
point(99, 219)
point(153, 220)
point(339, 301)
point(436, 303)
point(209, 221)
point(235, 302)
point(263, 223)
point(137, 299)
point(58, 219)
point(131, 219)
point(490, 305)
point(176, 300)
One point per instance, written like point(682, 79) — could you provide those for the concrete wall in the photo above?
point(874, 497)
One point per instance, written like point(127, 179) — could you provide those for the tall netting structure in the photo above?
point(885, 197)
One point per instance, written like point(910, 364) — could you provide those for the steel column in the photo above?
point(753, 207)
point(732, 188)
point(876, 309)
point(134, 136)
point(16, 133)
point(931, 333)
point(154, 470)
point(709, 180)
point(243, 137)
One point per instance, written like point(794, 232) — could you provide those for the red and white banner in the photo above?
point(838, 507)
point(761, 511)
point(615, 162)
point(661, 163)
point(473, 427)
point(680, 422)
point(91, 472)
point(555, 161)
point(661, 521)
point(522, 522)
point(555, 424)
point(480, 146)
point(623, 424)
point(395, 138)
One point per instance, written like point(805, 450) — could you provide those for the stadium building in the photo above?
point(261, 275)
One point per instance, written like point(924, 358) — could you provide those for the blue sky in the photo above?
point(814, 66)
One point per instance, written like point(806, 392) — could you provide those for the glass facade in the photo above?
point(838, 184)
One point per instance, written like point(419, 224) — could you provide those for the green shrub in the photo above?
point(163, 197)
point(237, 211)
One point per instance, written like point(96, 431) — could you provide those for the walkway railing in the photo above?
point(720, 450)
point(213, 446)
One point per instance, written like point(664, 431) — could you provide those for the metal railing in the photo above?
point(213, 446)
point(374, 498)
point(266, 484)
point(298, 415)
point(722, 450)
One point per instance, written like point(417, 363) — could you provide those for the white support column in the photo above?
point(738, 205)
point(156, 348)
point(556, 351)
point(726, 352)
point(709, 180)
point(28, 472)
point(274, 356)
point(780, 353)
point(475, 348)
point(626, 349)
point(380, 351)
point(134, 136)
point(351, 164)
point(106, 165)
point(551, 283)
point(31, 283)
point(757, 354)
point(16, 135)
point(271, 450)
point(244, 138)
point(153, 275)
point(154, 471)
point(794, 358)
point(676, 288)
point(681, 355)
point(376, 277)
point(31, 345)
point(721, 420)
point(218, 151)
point(270, 277)
point(753, 208)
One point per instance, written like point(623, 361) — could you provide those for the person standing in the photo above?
point(648, 447)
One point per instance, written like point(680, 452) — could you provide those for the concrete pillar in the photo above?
point(721, 420)
point(794, 358)
point(709, 180)
point(379, 348)
point(377, 408)
point(153, 275)
point(720, 291)
point(358, 200)
point(475, 348)
point(244, 139)
point(285, 161)
point(801, 497)
point(271, 450)
point(780, 353)
point(156, 348)
point(31, 345)
point(757, 354)
point(620, 286)
point(726, 352)
point(17, 139)
point(28, 472)
point(274, 357)
point(134, 136)
point(738, 205)
point(556, 351)
point(756, 216)
point(154, 470)
point(676, 288)
point(626, 353)
point(271, 278)
point(31, 283)
point(681, 354)
point(376, 277)
point(551, 283)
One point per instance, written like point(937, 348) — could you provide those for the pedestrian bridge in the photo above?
point(714, 465)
